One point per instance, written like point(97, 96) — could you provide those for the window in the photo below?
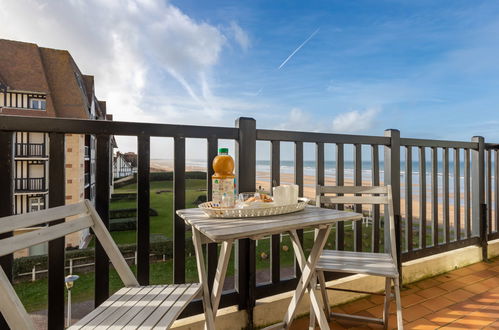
point(37, 104)
point(36, 204)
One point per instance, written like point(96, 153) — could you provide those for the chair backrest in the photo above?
point(374, 195)
point(78, 217)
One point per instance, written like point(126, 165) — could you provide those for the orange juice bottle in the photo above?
point(224, 180)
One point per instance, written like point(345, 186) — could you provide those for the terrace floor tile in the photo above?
point(458, 295)
point(466, 298)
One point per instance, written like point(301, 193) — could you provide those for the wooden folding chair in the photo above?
point(376, 264)
point(133, 306)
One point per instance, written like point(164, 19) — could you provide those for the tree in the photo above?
point(131, 157)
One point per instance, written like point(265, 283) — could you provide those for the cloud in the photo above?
point(240, 35)
point(295, 119)
point(354, 121)
point(151, 61)
point(128, 45)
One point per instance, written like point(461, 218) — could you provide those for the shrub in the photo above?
point(162, 176)
point(159, 245)
point(122, 224)
point(126, 196)
point(128, 213)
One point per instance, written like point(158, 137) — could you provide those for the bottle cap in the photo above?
point(223, 150)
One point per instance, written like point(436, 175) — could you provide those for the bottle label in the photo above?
point(224, 189)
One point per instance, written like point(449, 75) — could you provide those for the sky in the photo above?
point(427, 68)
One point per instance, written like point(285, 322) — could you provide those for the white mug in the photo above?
point(293, 194)
point(279, 195)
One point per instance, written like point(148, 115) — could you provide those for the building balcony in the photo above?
point(30, 185)
point(87, 179)
point(87, 153)
point(442, 223)
point(30, 150)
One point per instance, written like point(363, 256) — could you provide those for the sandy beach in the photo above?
point(263, 181)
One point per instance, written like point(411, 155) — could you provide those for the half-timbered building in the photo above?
point(44, 82)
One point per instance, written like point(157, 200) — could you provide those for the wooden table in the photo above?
point(226, 231)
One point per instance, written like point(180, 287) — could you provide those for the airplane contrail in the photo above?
point(297, 49)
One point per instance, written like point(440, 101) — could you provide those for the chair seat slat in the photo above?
point(381, 266)
point(93, 314)
point(179, 305)
point(164, 307)
point(354, 199)
point(107, 312)
point(351, 190)
point(150, 308)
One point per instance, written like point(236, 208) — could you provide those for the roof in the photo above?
point(21, 67)
point(98, 110)
point(3, 84)
point(29, 68)
point(89, 86)
point(103, 108)
point(67, 87)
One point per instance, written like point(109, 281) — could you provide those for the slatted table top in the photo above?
point(219, 230)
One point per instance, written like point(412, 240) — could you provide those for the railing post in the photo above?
point(211, 248)
point(6, 198)
point(143, 203)
point(275, 253)
point(478, 206)
point(178, 204)
point(246, 180)
point(102, 207)
point(392, 177)
point(57, 197)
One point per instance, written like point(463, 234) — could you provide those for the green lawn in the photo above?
point(161, 202)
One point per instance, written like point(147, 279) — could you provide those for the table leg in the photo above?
point(308, 274)
point(203, 280)
point(223, 262)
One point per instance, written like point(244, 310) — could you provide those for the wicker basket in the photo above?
point(261, 210)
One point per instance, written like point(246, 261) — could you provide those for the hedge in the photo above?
point(123, 196)
point(162, 176)
point(122, 224)
point(128, 213)
point(159, 245)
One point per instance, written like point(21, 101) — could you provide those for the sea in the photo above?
point(309, 169)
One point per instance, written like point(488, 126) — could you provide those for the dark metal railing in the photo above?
point(30, 150)
point(87, 179)
point(30, 185)
point(464, 188)
point(87, 152)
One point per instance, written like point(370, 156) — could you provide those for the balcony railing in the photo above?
point(87, 152)
point(31, 150)
point(30, 185)
point(87, 179)
point(429, 218)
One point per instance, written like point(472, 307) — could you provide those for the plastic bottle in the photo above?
point(224, 180)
